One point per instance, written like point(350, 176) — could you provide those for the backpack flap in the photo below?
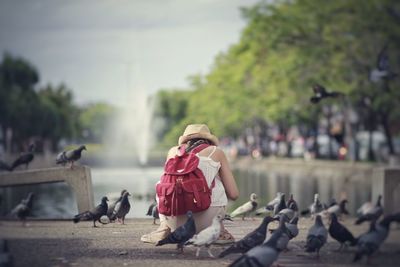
point(181, 165)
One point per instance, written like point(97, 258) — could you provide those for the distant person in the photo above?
point(214, 165)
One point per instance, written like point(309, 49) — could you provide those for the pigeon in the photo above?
point(280, 206)
point(321, 93)
point(370, 241)
point(4, 166)
point(246, 208)
point(317, 236)
point(153, 211)
point(24, 208)
point(315, 208)
point(268, 209)
point(251, 240)
point(289, 212)
point(111, 207)
point(94, 214)
point(70, 156)
point(207, 236)
point(382, 70)
point(370, 214)
point(290, 231)
point(181, 234)
point(264, 255)
point(340, 233)
point(6, 259)
point(24, 158)
point(338, 209)
point(291, 200)
point(121, 208)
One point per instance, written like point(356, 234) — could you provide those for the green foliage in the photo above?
point(286, 47)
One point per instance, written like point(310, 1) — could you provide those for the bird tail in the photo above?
point(226, 252)
point(162, 242)
point(76, 219)
point(82, 217)
point(360, 220)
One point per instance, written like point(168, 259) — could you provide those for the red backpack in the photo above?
point(183, 186)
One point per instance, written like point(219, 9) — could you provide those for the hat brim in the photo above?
point(185, 138)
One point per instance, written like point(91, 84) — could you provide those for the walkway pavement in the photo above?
point(62, 243)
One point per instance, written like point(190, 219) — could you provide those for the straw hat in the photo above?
point(193, 131)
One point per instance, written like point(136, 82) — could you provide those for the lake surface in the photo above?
point(57, 200)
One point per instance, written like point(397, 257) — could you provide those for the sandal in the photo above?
point(225, 238)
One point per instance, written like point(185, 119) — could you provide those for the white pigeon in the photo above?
point(246, 208)
point(269, 208)
point(207, 236)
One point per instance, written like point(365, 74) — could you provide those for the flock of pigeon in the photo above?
point(25, 158)
point(257, 250)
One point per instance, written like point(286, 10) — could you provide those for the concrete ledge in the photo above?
point(386, 181)
point(78, 178)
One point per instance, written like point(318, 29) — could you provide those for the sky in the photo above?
point(102, 49)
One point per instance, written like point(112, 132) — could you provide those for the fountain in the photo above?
point(129, 136)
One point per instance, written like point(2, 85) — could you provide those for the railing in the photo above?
point(79, 179)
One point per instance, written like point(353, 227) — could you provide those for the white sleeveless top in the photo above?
point(210, 169)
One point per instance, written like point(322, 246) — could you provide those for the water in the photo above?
point(57, 200)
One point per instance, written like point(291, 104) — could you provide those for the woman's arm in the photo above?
point(226, 175)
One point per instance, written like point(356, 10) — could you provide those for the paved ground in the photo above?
point(62, 243)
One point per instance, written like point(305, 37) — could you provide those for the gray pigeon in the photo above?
point(153, 211)
point(281, 205)
point(94, 214)
point(370, 241)
point(317, 236)
point(370, 214)
point(246, 208)
point(24, 158)
point(111, 207)
point(264, 255)
point(290, 212)
point(181, 234)
point(70, 156)
point(6, 259)
point(24, 208)
point(121, 208)
point(207, 236)
point(251, 240)
point(269, 208)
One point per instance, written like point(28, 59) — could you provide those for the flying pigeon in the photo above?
point(94, 214)
point(24, 208)
point(207, 236)
point(251, 240)
point(269, 208)
point(317, 236)
point(6, 259)
point(153, 211)
point(370, 241)
point(121, 208)
point(111, 207)
point(264, 255)
point(4, 166)
point(370, 213)
point(24, 158)
point(320, 93)
point(382, 70)
point(70, 156)
point(181, 234)
point(340, 233)
point(246, 208)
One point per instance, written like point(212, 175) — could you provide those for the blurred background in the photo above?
point(126, 77)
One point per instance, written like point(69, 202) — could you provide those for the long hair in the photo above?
point(192, 143)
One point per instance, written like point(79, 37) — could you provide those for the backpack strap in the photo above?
point(199, 148)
